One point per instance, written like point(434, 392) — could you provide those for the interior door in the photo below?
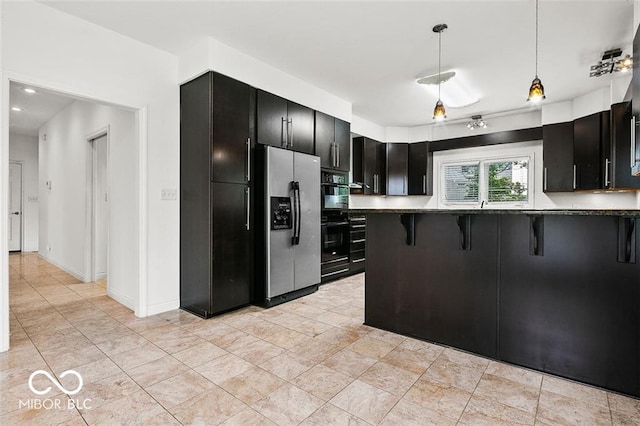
point(101, 208)
point(15, 207)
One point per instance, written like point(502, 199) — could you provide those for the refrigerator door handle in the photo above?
point(296, 218)
point(299, 209)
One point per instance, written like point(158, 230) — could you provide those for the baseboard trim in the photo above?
point(122, 298)
point(69, 270)
point(163, 307)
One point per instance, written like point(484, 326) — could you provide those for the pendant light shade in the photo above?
point(439, 113)
point(536, 91)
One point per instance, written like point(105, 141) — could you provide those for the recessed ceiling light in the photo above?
point(16, 109)
point(29, 90)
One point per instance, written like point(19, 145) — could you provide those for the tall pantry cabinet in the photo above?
point(216, 137)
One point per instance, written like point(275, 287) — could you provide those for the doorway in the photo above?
point(99, 206)
point(15, 206)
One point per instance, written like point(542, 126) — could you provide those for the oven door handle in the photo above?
point(335, 223)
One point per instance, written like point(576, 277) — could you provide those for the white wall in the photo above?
point(24, 149)
point(210, 54)
point(46, 48)
point(65, 232)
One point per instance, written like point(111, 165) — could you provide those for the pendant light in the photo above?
point(439, 113)
point(536, 91)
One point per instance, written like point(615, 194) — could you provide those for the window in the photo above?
point(500, 182)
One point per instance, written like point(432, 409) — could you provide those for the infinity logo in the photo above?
point(55, 382)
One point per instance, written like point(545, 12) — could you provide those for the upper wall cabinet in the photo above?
point(557, 142)
point(420, 169)
point(369, 158)
point(589, 133)
point(333, 142)
point(284, 123)
point(617, 155)
point(397, 168)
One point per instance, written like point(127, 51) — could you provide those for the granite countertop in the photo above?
point(561, 212)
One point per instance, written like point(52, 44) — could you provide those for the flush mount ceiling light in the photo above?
point(439, 113)
point(476, 123)
point(16, 109)
point(453, 93)
point(611, 63)
point(536, 91)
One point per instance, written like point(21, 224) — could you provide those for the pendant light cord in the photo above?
point(440, 59)
point(536, 38)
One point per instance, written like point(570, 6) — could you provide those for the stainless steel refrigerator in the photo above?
point(291, 207)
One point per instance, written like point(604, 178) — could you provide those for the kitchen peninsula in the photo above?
point(553, 290)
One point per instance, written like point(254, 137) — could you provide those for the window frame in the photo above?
point(483, 184)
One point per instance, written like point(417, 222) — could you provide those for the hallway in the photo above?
point(309, 361)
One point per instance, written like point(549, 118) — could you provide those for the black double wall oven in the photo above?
point(334, 226)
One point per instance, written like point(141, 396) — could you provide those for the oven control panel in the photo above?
point(281, 213)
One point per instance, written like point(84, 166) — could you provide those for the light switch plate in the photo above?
point(168, 194)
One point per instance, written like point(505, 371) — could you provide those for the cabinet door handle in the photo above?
point(248, 159)
point(575, 178)
point(424, 184)
point(334, 162)
point(284, 133)
point(337, 155)
point(375, 184)
point(544, 180)
point(607, 164)
point(290, 132)
point(247, 224)
point(632, 158)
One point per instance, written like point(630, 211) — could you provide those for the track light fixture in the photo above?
point(476, 123)
point(611, 62)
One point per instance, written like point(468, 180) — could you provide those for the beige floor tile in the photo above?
point(248, 417)
point(156, 371)
point(389, 378)
point(203, 409)
point(409, 360)
point(509, 393)
point(465, 359)
point(406, 413)
point(122, 344)
point(386, 336)
point(45, 417)
point(234, 340)
point(178, 389)
point(311, 327)
point(136, 408)
point(287, 365)
point(223, 368)
point(485, 411)
point(258, 352)
point(315, 350)
point(163, 419)
point(286, 319)
point(554, 409)
point(372, 348)
point(517, 374)
point(262, 329)
point(252, 385)
point(442, 398)
point(289, 405)
point(287, 338)
point(133, 358)
point(444, 371)
point(107, 390)
point(349, 362)
point(333, 318)
point(365, 401)
point(322, 381)
point(331, 415)
point(199, 354)
point(624, 408)
point(91, 372)
point(584, 393)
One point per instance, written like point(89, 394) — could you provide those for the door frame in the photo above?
point(91, 211)
point(21, 163)
point(141, 142)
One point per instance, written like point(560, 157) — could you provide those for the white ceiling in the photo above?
point(37, 108)
point(371, 52)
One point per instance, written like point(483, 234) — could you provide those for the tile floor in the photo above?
point(310, 362)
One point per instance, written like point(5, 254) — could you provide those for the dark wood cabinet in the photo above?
point(635, 102)
point(369, 158)
point(434, 290)
point(420, 165)
point(588, 135)
point(333, 142)
point(617, 154)
point(397, 168)
point(284, 123)
point(216, 127)
point(558, 316)
point(557, 143)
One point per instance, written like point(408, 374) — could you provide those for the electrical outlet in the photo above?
point(168, 194)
